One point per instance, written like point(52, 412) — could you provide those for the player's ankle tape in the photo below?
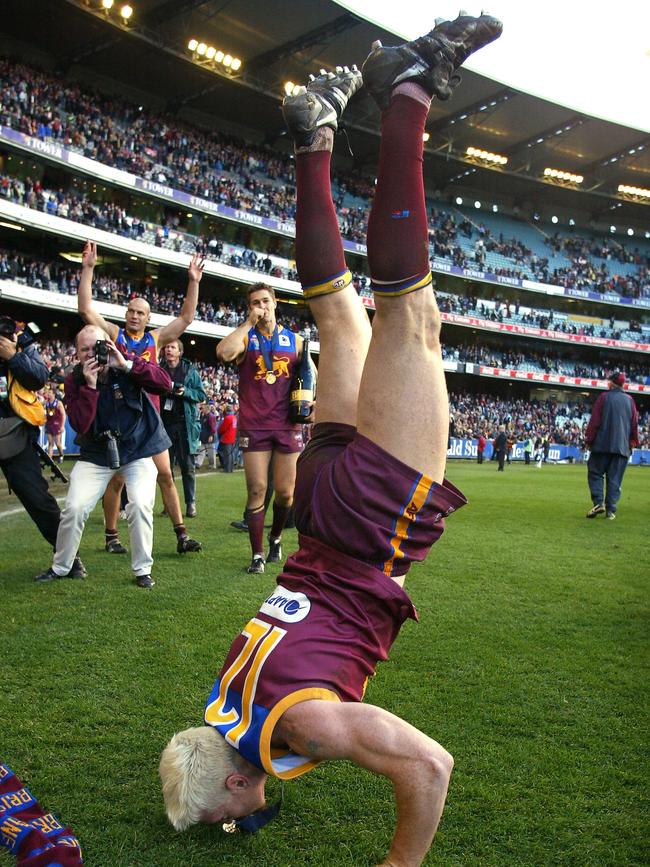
point(328, 287)
point(403, 287)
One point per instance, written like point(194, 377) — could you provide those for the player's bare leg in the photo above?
point(343, 326)
point(404, 364)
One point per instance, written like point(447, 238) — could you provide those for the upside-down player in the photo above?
point(370, 495)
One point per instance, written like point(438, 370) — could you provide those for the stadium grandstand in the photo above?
point(542, 296)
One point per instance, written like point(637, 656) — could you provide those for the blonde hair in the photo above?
point(193, 769)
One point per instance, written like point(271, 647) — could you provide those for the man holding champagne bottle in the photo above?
point(268, 356)
point(371, 496)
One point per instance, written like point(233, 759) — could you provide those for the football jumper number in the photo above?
point(261, 640)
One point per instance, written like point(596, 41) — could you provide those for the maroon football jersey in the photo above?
point(264, 394)
point(319, 635)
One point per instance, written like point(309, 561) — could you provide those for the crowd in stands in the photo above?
point(253, 178)
point(562, 423)
point(231, 313)
point(471, 414)
point(543, 362)
point(63, 278)
point(512, 311)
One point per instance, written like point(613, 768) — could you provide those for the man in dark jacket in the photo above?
point(118, 429)
point(23, 365)
point(611, 435)
point(180, 415)
point(500, 445)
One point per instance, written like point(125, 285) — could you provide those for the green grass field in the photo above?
point(530, 664)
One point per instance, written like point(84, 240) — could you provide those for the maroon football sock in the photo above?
point(180, 530)
point(109, 535)
point(398, 238)
point(255, 521)
point(280, 514)
point(319, 251)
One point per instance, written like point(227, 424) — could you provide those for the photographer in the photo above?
point(22, 373)
point(118, 429)
point(180, 415)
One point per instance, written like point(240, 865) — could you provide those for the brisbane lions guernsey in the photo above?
point(146, 347)
point(319, 635)
point(264, 394)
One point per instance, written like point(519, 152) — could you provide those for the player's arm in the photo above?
point(418, 767)
point(177, 326)
point(233, 346)
point(85, 304)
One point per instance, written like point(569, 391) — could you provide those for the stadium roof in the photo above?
point(279, 41)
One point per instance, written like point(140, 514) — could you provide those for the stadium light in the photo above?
point(459, 200)
point(495, 208)
point(107, 4)
point(612, 229)
point(637, 194)
point(630, 232)
point(126, 12)
point(557, 176)
point(477, 204)
point(426, 136)
point(554, 219)
point(485, 157)
point(207, 55)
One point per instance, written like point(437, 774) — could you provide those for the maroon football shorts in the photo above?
point(287, 442)
point(362, 501)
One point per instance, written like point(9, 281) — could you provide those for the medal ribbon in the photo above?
point(266, 351)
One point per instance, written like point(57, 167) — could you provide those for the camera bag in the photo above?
point(14, 436)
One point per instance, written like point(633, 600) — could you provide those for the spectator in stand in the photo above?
point(227, 439)
point(611, 435)
point(134, 341)
point(180, 415)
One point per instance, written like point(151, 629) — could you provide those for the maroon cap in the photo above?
point(618, 378)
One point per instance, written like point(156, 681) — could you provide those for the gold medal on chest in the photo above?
point(270, 377)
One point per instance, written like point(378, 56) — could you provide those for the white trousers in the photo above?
point(87, 485)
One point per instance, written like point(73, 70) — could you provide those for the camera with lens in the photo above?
point(112, 452)
point(26, 336)
point(101, 352)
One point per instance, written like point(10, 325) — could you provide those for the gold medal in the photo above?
point(270, 377)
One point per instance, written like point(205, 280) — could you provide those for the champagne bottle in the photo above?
point(303, 388)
